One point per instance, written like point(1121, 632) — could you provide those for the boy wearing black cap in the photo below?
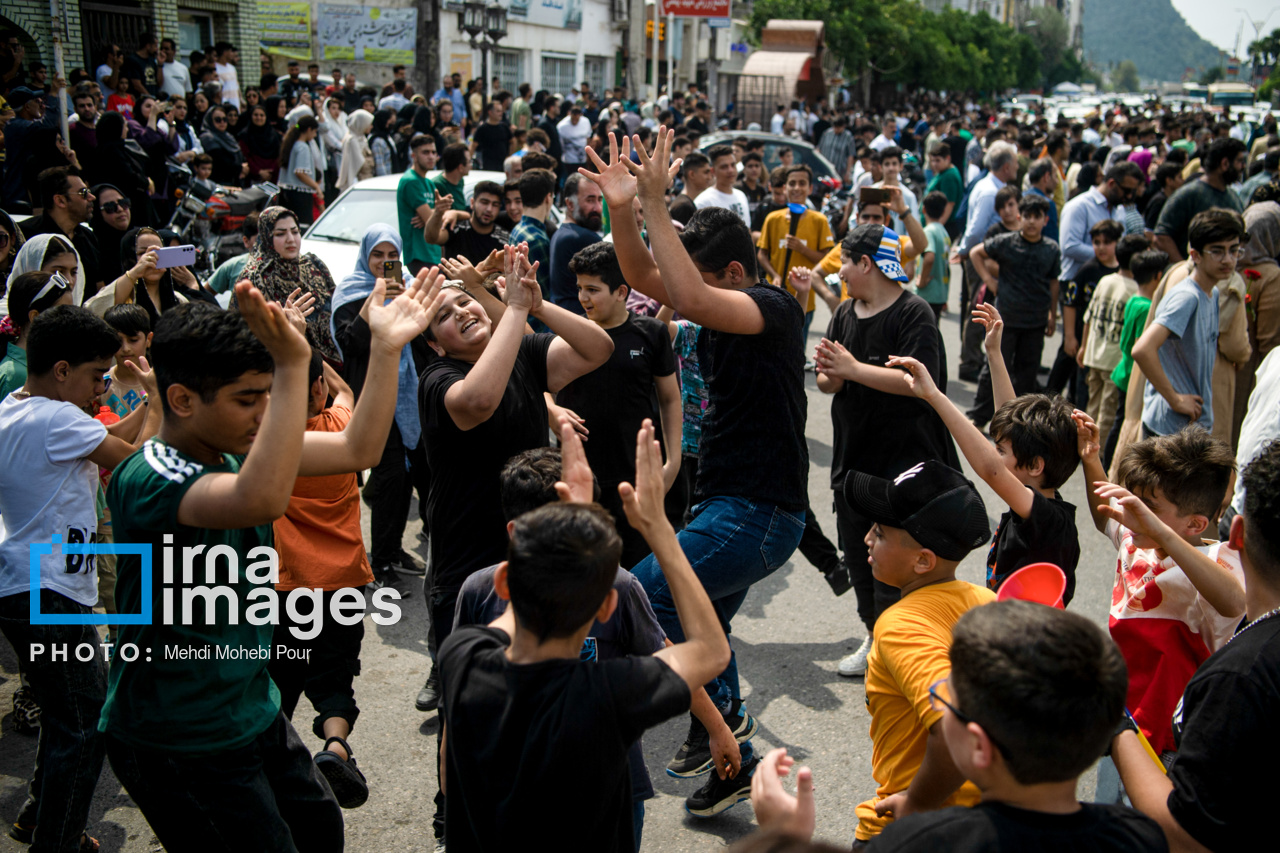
point(880, 428)
point(923, 523)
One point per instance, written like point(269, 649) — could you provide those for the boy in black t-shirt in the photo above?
point(1035, 452)
point(879, 428)
point(524, 717)
point(1076, 295)
point(615, 398)
point(1225, 724)
point(752, 484)
point(1026, 293)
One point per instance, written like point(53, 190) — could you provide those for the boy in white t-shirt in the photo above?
point(723, 193)
point(1099, 349)
point(49, 453)
point(1177, 597)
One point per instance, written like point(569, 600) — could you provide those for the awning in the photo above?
point(791, 66)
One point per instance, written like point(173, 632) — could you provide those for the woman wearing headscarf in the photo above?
point(403, 463)
point(260, 144)
point(112, 217)
point(278, 266)
point(276, 108)
point(357, 158)
point(11, 240)
point(139, 280)
point(157, 144)
point(47, 253)
point(1261, 272)
point(424, 121)
point(229, 164)
point(318, 155)
point(334, 122)
point(381, 143)
point(200, 104)
point(33, 293)
point(400, 141)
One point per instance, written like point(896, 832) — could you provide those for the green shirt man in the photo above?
point(413, 191)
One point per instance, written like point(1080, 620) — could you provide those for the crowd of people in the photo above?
point(603, 416)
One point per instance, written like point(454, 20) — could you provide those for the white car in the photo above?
point(335, 237)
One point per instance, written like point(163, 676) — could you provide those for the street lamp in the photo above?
point(477, 20)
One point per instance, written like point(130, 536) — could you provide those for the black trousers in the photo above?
point(266, 796)
point(301, 202)
point(325, 675)
point(389, 494)
point(815, 546)
point(874, 597)
point(1021, 350)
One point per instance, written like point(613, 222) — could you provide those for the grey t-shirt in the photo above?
point(1027, 273)
point(1192, 198)
point(1187, 356)
point(299, 160)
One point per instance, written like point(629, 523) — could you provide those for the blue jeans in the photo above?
point(637, 821)
point(731, 543)
point(70, 692)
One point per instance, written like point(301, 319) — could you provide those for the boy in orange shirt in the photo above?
point(924, 523)
point(321, 547)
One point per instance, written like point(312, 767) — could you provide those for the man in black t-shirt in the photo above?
point(492, 139)
point(877, 431)
point(752, 484)
point(475, 418)
point(637, 382)
point(474, 238)
point(523, 715)
point(1219, 793)
point(142, 68)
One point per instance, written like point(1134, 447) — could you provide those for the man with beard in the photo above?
point(474, 238)
point(1222, 163)
point(584, 217)
point(68, 205)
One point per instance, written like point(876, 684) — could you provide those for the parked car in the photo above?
point(825, 174)
point(335, 237)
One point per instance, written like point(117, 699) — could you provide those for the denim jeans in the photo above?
point(266, 796)
point(70, 692)
point(731, 543)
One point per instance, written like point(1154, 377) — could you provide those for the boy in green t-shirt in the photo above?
point(935, 269)
point(416, 204)
point(1146, 267)
point(193, 724)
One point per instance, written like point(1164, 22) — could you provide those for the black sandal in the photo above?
point(349, 786)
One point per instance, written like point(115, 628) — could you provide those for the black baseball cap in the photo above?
point(933, 502)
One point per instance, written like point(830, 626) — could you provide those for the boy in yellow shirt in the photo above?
point(924, 523)
point(781, 247)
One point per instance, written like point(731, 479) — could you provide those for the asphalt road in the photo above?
point(789, 636)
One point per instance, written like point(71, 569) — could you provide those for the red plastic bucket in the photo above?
point(1042, 583)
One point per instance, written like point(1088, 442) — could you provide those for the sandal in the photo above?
point(89, 844)
point(349, 786)
point(22, 834)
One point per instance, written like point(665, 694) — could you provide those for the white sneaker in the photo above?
point(856, 663)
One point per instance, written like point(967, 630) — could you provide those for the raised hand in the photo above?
point(776, 809)
point(644, 502)
point(986, 315)
point(801, 279)
point(491, 264)
point(834, 360)
point(917, 376)
point(617, 184)
point(1088, 441)
point(654, 174)
point(298, 306)
point(1129, 510)
point(460, 269)
point(897, 202)
point(145, 373)
point(399, 321)
point(269, 324)
point(576, 483)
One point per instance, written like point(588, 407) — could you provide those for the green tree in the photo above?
point(1212, 75)
point(1124, 78)
point(1049, 31)
point(1266, 50)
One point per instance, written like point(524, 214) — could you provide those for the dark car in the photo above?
point(826, 178)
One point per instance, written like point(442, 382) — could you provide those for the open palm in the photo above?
point(616, 183)
point(404, 318)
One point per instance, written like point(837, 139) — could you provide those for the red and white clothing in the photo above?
point(1164, 628)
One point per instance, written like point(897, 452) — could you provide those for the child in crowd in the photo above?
point(1177, 598)
point(202, 165)
point(934, 283)
point(922, 523)
point(616, 397)
point(693, 400)
point(1035, 452)
point(776, 200)
point(30, 293)
point(121, 101)
point(234, 391)
point(782, 246)
point(125, 391)
point(529, 481)
point(50, 452)
point(321, 547)
point(1179, 348)
point(1078, 292)
point(1146, 267)
point(1026, 295)
point(1099, 351)
point(877, 429)
point(523, 715)
point(1006, 206)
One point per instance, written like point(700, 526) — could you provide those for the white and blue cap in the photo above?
point(881, 243)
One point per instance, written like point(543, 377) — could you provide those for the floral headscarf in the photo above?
point(277, 276)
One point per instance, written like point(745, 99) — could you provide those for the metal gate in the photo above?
point(103, 25)
point(757, 96)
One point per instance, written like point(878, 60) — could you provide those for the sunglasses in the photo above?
point(117, 205)
point(55, 280)
point(83, 192)
point(219, 120)
point(106, 384)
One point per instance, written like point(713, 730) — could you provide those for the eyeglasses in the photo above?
point(940, 697)
point(1218, 253)
point(117, 205)
point(83, 192)
point(106, 383)
point(219, 119)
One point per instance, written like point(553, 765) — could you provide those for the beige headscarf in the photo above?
point(355, 147)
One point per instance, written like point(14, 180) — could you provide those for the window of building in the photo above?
point(505, 65)
point(558, 73)
point(195, 32)
point(596, 71)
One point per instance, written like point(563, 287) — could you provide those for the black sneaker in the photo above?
point(407, 564)
point(384, 577)
point(721, 794)
point(743, 725)
point(693, 758)
point(838, 578)
point(429, 696)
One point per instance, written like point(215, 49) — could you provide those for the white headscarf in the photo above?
point(31, 257)
point(337, 126)
point(355, 147)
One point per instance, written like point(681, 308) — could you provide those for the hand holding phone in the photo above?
point(168, 257)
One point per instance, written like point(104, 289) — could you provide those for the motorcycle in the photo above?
point(211, 219)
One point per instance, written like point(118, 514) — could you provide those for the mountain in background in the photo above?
point(1152, 33)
